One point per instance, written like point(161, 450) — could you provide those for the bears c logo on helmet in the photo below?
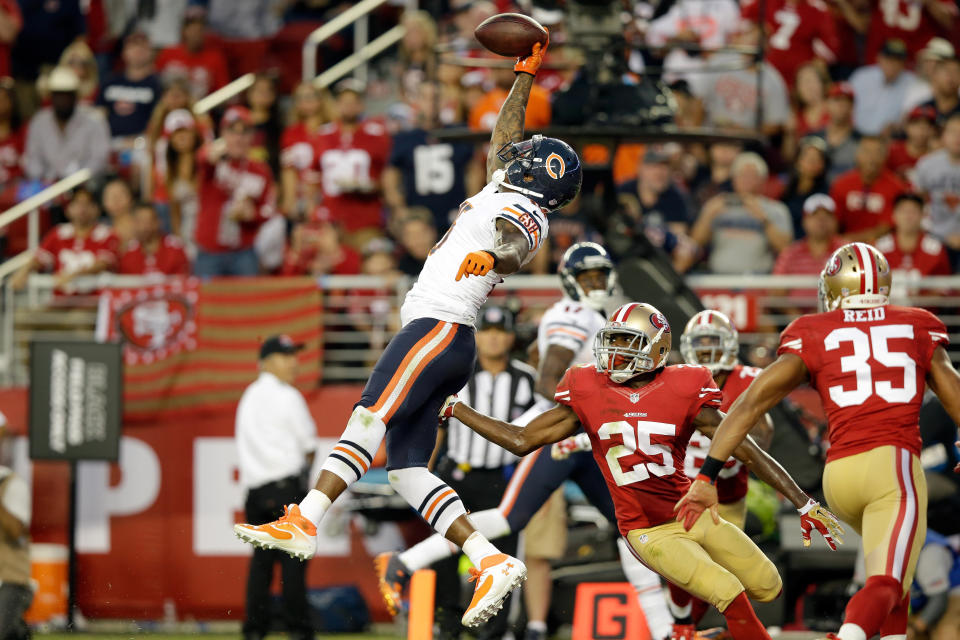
point(556, 174)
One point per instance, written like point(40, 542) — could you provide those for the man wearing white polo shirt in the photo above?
point(276, 440)
point(15, 591)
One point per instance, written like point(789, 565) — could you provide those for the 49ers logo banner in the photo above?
point(153, 322)
point(190, 345)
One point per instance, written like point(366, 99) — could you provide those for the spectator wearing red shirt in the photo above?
point(299, 179)
point(921, 133)
point(151, 251)
point(10, 23)
point(236, 195)
point(316, 250)
point(195, 58)
point(808, 255)
point(913, 21)
point(76, 248)
point(351, 155)
point(798, 31)
point(864, 195)
point(909, 249)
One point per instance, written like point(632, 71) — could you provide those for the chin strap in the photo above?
point(499, 177)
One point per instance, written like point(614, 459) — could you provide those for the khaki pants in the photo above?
point(882, 494)
point(713, 562)
point(735, 513)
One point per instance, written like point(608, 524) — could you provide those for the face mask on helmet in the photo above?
point(709, 348)
point(545, 170)
point(623, 353)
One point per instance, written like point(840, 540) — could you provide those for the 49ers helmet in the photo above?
point(856, 276)
point(546, 170)
point(711, 340)
point(649, 346)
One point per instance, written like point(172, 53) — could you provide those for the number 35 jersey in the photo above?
point(640, 436)
point(437, 293)
point(870, 367)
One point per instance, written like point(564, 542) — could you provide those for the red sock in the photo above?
point(679, 599)
point(896, 622)
point(698, 610)
point(742, 622)
point(870, 607)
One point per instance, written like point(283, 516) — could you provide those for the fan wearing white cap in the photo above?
point(807, 255)
point(65, 137)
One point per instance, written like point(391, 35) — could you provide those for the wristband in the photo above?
point(496, 260)
point(704, 478)
point(811, 503)
point(711, 468)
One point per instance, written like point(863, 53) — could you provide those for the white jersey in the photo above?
point(571, 325)
point(437, 293)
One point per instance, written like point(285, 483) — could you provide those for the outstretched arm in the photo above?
point(509, 125)
point(556, 424)
point(945, 382)
point(769, 388)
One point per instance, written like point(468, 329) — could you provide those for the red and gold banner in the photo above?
point(193, 345)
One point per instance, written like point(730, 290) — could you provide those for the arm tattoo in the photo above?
point(509, 125)
point(511, 248)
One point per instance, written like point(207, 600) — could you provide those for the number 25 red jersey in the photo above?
point(640, 436)
point(870, 367)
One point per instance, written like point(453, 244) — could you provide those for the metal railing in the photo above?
point(361, 313)
point(224, 93)
point(30, 208)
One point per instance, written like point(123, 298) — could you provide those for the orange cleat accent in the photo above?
point(498, 575)
point(291, 533)
point(392, 579)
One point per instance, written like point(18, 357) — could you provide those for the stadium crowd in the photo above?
point(859, 108)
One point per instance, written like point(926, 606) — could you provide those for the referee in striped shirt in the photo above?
point(475, 468)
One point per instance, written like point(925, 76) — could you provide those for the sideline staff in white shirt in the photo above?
point(276, 439)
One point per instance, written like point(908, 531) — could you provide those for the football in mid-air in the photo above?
point(510, 34)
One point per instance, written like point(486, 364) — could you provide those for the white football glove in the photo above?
point(562, 450)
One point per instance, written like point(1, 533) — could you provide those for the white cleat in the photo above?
point(292, 533)
point(499, 575)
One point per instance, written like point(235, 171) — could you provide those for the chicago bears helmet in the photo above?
point(546, 170)
point(586, 256)
point(856, 276)
point(711, 340)
point(649, 346)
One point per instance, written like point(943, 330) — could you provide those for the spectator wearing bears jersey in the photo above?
point(76, 248)
point(426, 172)
point(129, 96)
point(351, 155)
point(864, 195)
point(910, 249)
point(151, 251)
point(236, 195)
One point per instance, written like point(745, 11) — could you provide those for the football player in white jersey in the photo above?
point(565, 338)
point(498, 231)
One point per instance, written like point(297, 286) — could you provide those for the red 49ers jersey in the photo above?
point(345, 160)
point(869, 366)
point(907, 20)
point(62, 251)
point(797, 32)
point(640, 436)
point(732, 481)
